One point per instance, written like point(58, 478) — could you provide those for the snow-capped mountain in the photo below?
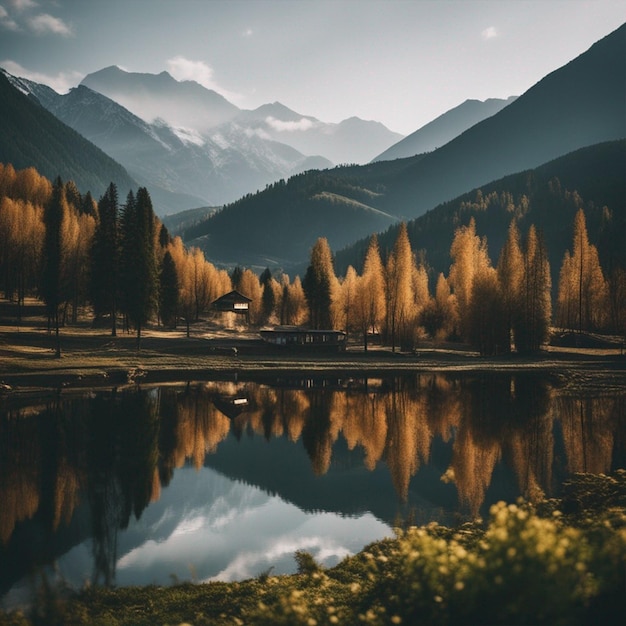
point(181, 167)
point(191, 106)
point(351, 141)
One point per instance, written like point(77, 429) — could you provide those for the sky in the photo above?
point(399, 62)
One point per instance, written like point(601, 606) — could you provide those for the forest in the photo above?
point(116, 262)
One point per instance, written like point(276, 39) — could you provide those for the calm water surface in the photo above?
point(225, 480)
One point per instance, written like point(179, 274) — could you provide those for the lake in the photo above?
point(226, 480)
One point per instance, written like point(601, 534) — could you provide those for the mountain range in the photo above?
point(237, 152)
point(31, 136)
point(188, 106)
point(192, 147)
point(580, 104)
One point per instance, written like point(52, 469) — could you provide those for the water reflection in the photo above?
point(73, 468)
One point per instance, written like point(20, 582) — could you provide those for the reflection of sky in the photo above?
point(208, 527)
point(233, 531)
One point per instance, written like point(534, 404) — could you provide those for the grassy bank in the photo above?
point(91, 357)
point(557, 562)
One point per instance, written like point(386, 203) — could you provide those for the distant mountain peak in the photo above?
point(150, 96)
point(445, 128)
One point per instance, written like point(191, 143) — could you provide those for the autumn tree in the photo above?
point(582, 293)
point(439, 317)
point(250, 287)
point(421, 295)
point(617, 299)
point(370, 296)
point(345, 304)
point(79, 234)
point(469, 258)
point(510, 274)
point(486, 323)
point(532, 316)
point(268, 299)
point(319, 285)
point(399, 288)
point(293, 303)
point(22, 235)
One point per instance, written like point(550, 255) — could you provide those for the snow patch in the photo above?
point(188, 135)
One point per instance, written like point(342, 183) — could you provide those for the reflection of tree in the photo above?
point(531, 445)
point(138, 424)
point(442, 404)
point(200, 425)
point(121, 447)
point(503, 414)
point(104, 491)
point(589, 427)
point(317, 435)
point(408, 436)
point(19, 471)
point(364, 423)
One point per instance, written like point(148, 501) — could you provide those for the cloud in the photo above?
point(23, 5)
point(489, 33)
point(185, 69)
point(290, 127)
point(6, 21)
point(247, 33)
point(61, 83)
point(45, 23)
point(182, 68)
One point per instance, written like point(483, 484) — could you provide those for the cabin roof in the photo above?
point(231, 297)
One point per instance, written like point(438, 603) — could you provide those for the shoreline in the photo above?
point(91, 359)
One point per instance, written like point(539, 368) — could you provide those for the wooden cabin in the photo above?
point(305, 339)
point(232, 302)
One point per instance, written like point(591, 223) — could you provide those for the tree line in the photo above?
point(496, 309)
point(116, 258)
point(119, 260)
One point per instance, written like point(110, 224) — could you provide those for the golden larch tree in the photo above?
point(399, 289)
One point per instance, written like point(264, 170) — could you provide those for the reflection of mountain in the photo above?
point(92, 466)
point(348, 487)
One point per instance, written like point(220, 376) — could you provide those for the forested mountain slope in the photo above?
point(592, 178)
point(578, 105)
point(31, 136)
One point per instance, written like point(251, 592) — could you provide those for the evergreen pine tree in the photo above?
point(139, 260)
point(105, 258)
point(168, 291)
point(268, 302)
point(54, 282)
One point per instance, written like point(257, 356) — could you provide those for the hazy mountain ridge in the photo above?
point(31, 136)
point(181, 171)
point(351, 141)
point(189, 105)
point(444, 128)
point(580, 104)
point(153, 96)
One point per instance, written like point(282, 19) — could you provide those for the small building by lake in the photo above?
point(233, 302)
point(305, 339)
